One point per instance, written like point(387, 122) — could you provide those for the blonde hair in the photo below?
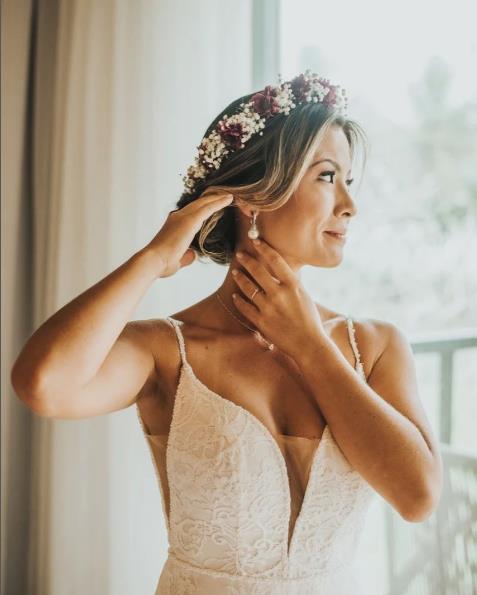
point(267, 171)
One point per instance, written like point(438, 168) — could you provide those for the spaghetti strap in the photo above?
point(354, 346)
point(180, 338)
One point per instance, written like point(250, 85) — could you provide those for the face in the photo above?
point(322, 203)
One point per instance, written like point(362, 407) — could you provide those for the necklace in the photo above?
point(257, 333)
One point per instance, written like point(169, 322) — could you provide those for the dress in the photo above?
point(248, 512)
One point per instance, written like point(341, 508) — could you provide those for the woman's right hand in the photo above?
point(172, 242)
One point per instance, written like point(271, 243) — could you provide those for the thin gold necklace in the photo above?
point(257, 333)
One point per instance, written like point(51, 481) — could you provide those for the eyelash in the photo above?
point(333, 173)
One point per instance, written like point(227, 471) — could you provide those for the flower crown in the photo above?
point(232, 132)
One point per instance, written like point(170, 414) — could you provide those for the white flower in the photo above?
point(212, 150)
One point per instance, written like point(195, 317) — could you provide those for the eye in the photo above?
point(333, 173)
point(327, 173)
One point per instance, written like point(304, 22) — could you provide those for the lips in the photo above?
point(336, 234)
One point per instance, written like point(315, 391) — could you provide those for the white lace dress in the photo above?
point(249, 513)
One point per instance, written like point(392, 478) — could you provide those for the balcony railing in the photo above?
point(445, 345)
point(439, 555)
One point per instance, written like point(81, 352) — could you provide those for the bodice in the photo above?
point(252, 511)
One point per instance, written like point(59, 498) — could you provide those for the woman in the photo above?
point(272, 420)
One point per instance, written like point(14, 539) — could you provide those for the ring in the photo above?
point(253, 294)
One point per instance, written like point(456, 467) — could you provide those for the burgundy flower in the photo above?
point(331, 97)
point(231, 133)
point(299, 86)
point(265, 102)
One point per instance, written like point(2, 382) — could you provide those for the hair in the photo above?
point(267, 171)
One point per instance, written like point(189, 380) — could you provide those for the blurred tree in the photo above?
point(409, 255)
point(445, 144)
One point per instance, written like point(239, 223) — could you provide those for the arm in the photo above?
point(86, 359)
point(380, 426)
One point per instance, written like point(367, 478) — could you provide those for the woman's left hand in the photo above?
point(281, 310)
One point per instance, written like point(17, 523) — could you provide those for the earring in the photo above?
point(253, 231)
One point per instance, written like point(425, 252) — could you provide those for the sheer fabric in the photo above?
point(249, 512)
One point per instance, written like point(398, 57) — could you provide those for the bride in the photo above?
point(271, 419)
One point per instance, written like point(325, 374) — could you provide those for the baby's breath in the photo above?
point(233, 132)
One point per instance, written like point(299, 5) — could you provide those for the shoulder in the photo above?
point(381, 332)
point(149, 330)
point(378, 331)
point(156, 336)
point(386, 347)
point(373, 337)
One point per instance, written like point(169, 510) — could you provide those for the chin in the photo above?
point(327, 262)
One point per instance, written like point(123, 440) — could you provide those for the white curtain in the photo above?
point(106, 102)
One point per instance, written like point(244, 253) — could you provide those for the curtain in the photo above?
point(105, 104)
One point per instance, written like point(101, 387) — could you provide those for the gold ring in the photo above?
point(253, 294)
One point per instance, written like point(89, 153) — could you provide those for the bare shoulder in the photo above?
point(374, 331)
point(155, 335)
point(390, 367)
point(145, 334)
point(381, 333)
point(371, 335)
point(148, 327)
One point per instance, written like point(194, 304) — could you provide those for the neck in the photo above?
point(230, 286)
point(225, 291)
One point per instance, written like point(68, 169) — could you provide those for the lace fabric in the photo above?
point(250, 512)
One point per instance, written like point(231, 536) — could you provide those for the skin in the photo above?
point(320, 203)
point(294, 230)
point(215, 339)
point(381, 426)
point(90, 359)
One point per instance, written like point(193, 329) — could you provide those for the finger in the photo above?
point(215, 201)
point(248, 287)
point(260, 274)
point(214, 204)
point(203, 210)
point(278, 265)
point(246, 308)
point(204, 201)
point(207, 196)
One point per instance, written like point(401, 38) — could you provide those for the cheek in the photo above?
point(298, 222)
point(315, 200)
point(302, 215)
point(316, 209)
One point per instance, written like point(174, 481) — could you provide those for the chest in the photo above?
point(269, 386)
point(223, 464)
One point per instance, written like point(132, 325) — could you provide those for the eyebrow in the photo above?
point(330, 160)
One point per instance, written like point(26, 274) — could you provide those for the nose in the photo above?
point(345, 205)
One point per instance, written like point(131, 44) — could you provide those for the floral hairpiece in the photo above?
point(232, 132)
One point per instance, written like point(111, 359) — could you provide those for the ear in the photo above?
point(246, 209)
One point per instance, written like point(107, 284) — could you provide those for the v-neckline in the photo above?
point(282, 462)
point(325, 436)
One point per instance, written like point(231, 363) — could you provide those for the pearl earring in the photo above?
point(253, 231)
